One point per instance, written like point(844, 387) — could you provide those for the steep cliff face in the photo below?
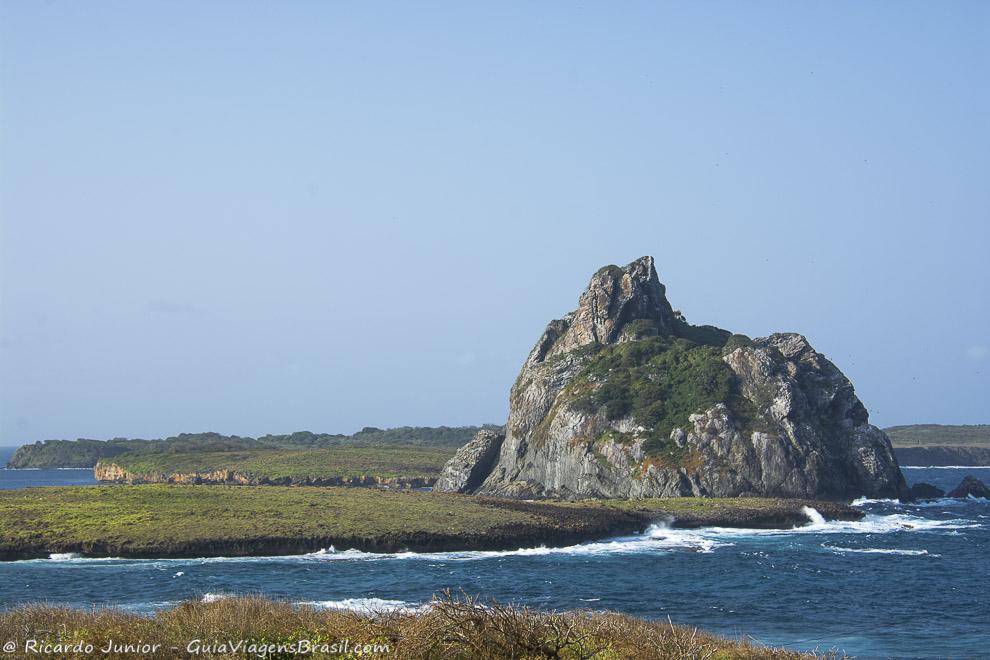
point(623, 398)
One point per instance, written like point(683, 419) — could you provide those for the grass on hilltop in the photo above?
point(456, 627)
point(346, 462)
point(940, 435)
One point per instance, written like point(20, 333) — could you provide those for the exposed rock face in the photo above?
point(111, 472)
point(971, 487)
point(471, 464)
point(923, 491)
point(622, 398)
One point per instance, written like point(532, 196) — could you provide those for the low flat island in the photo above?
point(159, 520)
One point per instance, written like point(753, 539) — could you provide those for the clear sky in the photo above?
point(266, 217)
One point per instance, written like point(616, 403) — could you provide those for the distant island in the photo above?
point(406, 466)
point(400, 457)
point(162, 520)
point(941, 444)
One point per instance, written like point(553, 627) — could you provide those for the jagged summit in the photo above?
point(623, 398)
point(615, 297)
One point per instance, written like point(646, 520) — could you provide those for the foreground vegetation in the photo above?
point(194, 521)
point(85, 453)
point(939, 435)
point(267, 465)
point(451, 627)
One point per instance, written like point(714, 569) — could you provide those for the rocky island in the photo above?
point(623, 398)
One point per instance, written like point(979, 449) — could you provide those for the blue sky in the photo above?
point(266, 217)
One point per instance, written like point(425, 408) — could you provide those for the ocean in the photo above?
point(909, 580)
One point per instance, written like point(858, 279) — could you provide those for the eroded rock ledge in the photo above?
point(113, 473)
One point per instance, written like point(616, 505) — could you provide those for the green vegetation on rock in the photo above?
point(82, 453)
point(659, 381)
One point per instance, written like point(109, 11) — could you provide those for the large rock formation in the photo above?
point(471, 464)
point(623, 398)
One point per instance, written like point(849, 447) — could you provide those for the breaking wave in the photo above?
point(366, 605)
point(64, 556)
point(880, 551)
point(944, 467)
point(656, 539)
point(362, 605)
point(212, 598)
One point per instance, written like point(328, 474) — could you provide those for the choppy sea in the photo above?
point(909, 580)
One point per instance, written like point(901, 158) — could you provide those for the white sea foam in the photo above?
point(366, 605)
point(871, 524)
point(212, 598)
point(940, 501)
point(659, 538)
point(64, 556)
point(862, 501)
point(656, 538)
point(813, 515)
point(73, 558)
point(945, 467)
point(880, 551)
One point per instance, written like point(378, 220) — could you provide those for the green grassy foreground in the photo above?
point(452, 627)
point(257, 465)
point(194, 521)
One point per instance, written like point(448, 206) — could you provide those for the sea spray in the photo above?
point(816, 518)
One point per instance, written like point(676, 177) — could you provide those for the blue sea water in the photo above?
point(26, 478)
point(909, 580)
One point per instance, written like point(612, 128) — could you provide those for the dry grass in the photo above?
point(454, 626)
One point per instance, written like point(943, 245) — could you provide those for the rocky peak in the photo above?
point(623, 398)
point(615, 297)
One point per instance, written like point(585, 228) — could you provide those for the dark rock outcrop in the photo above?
point(623, 398)
point(923, 491)
point(471, 464)
point(971, 487)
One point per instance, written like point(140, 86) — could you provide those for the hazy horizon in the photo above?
point(252, 220)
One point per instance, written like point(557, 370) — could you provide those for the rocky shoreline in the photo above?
point(113, 473)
